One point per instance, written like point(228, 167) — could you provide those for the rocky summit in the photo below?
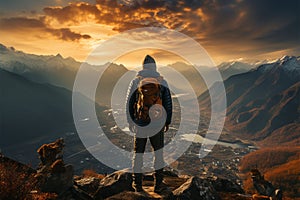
point(56, 180)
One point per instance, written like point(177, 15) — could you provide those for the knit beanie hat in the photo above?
point(149, 63)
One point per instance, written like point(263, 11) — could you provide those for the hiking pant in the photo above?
point(157, 142)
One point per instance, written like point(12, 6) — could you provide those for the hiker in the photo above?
point(264, 188)
point(148, 102)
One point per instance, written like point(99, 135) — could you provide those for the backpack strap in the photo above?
point(160, 79)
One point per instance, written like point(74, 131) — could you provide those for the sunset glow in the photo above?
point(227, 31)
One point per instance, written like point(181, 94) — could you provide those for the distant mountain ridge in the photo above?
point(61, 72)
point(228, 69)
point(196, 80)
point(290, 65)
point(57, 71)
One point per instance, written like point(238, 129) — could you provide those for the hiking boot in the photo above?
point(138, 188)
point(161, 188)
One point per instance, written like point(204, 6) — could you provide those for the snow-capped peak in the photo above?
point(290, 65)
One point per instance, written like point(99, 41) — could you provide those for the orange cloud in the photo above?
point(38, 26)
point(230, 28)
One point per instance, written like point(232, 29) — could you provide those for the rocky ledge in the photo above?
point(55, 180)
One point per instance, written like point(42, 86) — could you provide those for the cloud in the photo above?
point(38, 26)
point(74, 12)
point(219, 20)
point(233, 27)
point(119, 16)
point(67, 34)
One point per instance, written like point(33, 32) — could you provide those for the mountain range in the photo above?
point(228, 69)
point(263, 106)
point(264, 103)
point(59, 71)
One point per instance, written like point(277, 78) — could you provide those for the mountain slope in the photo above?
point(30, 110)
point(228, 69)
point(263, 101)
point(42, 69)
point(32, 114)
point(195, 79)
point(57, 71)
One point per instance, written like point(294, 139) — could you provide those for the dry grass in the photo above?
point(92, 173)
point(15, 181)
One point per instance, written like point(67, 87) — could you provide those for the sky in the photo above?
point(244, 30)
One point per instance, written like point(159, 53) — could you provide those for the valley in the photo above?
point(263, 111)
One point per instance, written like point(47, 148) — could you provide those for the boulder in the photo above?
point(57, 182)
point(88, 184)
point(49, 153)
point(114, 183)
point(58, 167)
point(131, 196)
point(195, 189)
point(78, 194)
point(53, 174)
point(224, 185)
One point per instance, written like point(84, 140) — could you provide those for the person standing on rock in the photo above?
point(264, 188)
point(149, 113)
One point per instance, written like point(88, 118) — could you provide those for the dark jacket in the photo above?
point(264, 187)
point(131, 96)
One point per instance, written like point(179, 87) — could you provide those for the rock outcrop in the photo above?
point(224, 185)
point(117, 186)
point(114, 183)
point(49, 153)
point(196, 188)
point(53, 174)
point(55, 180)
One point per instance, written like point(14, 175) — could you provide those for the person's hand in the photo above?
point(131, 127)
point(166, 127)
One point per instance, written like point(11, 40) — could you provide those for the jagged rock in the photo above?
point(78, 194)
point(131, 196)
point(88, 184)
point(57, 177)
point(58, 167)
point(53, 174)
point(195, 189)
point(51, 152)
point(114, 183)
point(58, 182)
point(224, 185)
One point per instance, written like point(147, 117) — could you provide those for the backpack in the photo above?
point(148, 94)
